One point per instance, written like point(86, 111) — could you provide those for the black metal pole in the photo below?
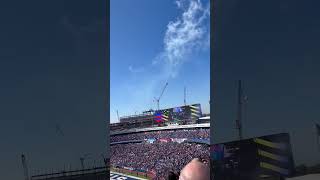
point(239, 115)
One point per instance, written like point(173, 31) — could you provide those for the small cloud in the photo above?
point(94, 26)
point(135, 70)
point(158, 59)
point(155, 62)
point(69, 26)
point(181, 4)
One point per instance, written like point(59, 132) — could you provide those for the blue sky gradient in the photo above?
point(154, 42)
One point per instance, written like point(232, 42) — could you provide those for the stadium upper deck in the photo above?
point(170, 127)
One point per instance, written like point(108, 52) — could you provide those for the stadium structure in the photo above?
point(189, 114)
point(266, 157)
point(154, 143)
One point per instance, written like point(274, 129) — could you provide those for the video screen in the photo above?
point(178, 114)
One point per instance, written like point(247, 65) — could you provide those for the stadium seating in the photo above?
point(160, 157)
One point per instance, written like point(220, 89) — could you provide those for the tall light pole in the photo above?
point(185, 96)
point(239, 113)
point(25, 167)
point(118, 116)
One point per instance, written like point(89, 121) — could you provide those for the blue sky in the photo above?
point(154, 42)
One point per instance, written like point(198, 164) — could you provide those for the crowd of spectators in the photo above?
point(159, 157)
point(199, 133)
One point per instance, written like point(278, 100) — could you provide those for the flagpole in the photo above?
point(318, 139)
point(318, 142)
point(318, 134)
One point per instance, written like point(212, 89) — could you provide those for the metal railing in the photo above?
point(145, 175)
point(96, 170)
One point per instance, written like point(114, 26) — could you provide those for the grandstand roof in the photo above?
point(206, 117)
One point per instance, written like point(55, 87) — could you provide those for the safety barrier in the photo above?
point(147, 175)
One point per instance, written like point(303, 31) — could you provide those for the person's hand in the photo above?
point(195, 170)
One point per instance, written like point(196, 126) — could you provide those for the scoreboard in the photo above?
point(178, 114)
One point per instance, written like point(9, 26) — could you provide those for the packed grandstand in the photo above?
point(157, 150)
